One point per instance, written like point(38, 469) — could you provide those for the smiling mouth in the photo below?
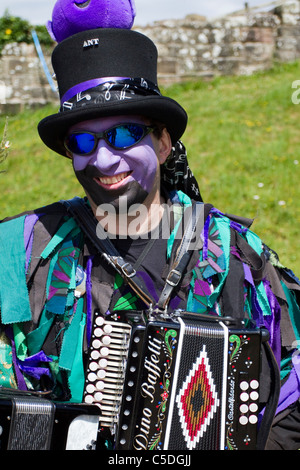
point(113, 180)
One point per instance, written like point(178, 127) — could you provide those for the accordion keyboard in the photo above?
point(106, 368)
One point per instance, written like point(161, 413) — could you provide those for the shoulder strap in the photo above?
point(191, 240)
point(79, 210)
point(270, 408)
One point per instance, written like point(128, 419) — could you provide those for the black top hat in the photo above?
point(108, 72)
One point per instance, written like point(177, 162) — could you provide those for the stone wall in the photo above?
point(22, 79)
point(240, 43)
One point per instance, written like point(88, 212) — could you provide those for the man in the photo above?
point(123, 136)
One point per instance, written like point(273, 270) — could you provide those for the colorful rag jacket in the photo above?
point(52, 280)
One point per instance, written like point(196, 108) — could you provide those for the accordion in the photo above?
point(185, 382)
point(31, 422)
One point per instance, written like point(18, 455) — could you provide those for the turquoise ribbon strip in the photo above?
point(14, 297)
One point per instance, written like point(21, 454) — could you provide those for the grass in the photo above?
point(243, 145)
point(34, 175)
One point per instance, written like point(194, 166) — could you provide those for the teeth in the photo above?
point(113, 179)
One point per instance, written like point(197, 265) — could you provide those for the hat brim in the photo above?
point(53, 129)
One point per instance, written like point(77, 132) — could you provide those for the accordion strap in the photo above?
point(95, 232)
point(271, 406)
point(191, 240)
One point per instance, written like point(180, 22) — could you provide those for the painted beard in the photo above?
point(132, 191)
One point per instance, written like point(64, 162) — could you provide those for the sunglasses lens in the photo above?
point(81, 144)
point(119, 137)
point(125, 136)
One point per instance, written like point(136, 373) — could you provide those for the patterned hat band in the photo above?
point(104, 90)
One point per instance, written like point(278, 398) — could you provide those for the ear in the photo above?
point(165, 146)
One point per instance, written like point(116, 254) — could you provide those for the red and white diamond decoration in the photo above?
point(195, 419)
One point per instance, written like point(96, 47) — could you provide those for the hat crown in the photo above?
point(101, 53)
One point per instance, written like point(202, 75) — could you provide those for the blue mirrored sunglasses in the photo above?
point(120, 137)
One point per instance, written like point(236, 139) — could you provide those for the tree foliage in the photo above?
point(15, 29)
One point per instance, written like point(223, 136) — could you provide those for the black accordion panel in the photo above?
point(29, 422)
point(191, 385)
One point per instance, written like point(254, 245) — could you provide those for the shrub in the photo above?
point(15, 29)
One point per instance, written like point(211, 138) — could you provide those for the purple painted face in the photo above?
point(107, 174)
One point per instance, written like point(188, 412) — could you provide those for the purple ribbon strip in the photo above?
point(257, 312)
point(290, 391)
point(84, 86)
point(204, 236)
point(29, 224)
point(272, 322)
point(31, 365)
point(19, 376)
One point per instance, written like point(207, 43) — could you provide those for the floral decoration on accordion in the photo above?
point(236, 343)
point(169, 342)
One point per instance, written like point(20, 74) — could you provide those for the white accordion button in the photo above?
point(243, 420)
point(244, 385)
point(253, 407)
point(103, 362)
point(95, 355)
point(89, 399)
point(254, 396)
point(90, 388)
point(96, 343)
point(101, 374)
point(98, 332)
point(104, 352)
point(92, 377)
point(100, 385)
point(99, 321)
point(107, 329)
point(253, 419)
point(98, 396)
point(244, 396)
point(106, 340)
point(254, 384)
point(243, 408)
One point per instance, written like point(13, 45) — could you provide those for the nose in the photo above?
point(105, 158)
